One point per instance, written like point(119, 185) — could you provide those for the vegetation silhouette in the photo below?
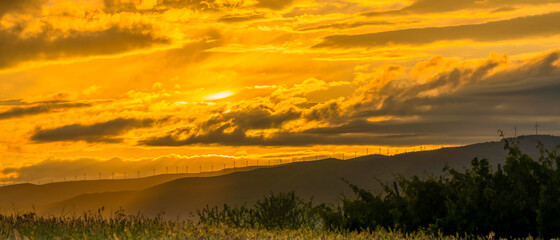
point(520, 200)
point(276, 211)
point(517, 201)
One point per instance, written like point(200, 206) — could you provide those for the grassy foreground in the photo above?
point(93, 226)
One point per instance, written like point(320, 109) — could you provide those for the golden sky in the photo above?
point(90, 86)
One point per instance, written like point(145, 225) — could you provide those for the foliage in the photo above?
point(519, 200)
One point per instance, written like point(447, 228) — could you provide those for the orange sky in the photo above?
point(90, 86)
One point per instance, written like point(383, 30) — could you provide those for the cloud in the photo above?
point(274, 4)
point(45, 107)
point(12, 102)
point(239, 138)
point(227, 128)
point(43, 46)
point(248, 121)
point(460, 99)
point(240, 18)
point(345, 25)
point(522, 27)
point(199, 5)
point(20, 6)
point(436, 6)
point(464, 89)
point(260, 117)
point(440, 101)
point(115, 6)
point(98, 132)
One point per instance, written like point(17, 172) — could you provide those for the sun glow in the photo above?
point(219, 95)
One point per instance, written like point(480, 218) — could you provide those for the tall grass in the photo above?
point(120, 226)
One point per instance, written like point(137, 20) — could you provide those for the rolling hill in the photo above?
point(321, 180)
point(24, 196)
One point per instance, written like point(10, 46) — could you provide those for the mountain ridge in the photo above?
point(320, 180)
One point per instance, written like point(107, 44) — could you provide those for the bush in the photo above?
point(276, 211)
point(284, 211)
point(520, 200)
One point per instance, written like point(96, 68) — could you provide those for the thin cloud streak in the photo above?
point(16, 50)
point(518, 28)
point(98, 132)
point(17, 112)
point(436, 6)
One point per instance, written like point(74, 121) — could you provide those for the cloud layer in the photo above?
point(517, 28)
point(15, 112)
point(435, 6)
point(138, 79)
point(98, 132)
point(73, 44)
point(457, 100)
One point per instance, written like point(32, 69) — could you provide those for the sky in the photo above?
point(109, 86)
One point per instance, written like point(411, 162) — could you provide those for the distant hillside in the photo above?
point(318, 179)
point(24, 196)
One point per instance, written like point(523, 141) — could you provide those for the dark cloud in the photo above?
point(232, 130)
point(98, 132)
point(199, 5)
point(229, 128)
point(330, 111)
point(240, 138)
point(427, 130)
point(12, 102)
point(237, 137)
point(254, 117)
point(523, 27)
point(240, 18)
point(468, 90)
point(114, 6)
point(386, 127)
point(469, 102)
point(261, 117)
point(274, 4)
point(474, 102)
point(72, 44)
point(8, 6)
point(435, 6)
point(44, 107)
point(344, 25)
point(119, 6)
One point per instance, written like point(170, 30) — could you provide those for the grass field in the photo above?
point(91, 226)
